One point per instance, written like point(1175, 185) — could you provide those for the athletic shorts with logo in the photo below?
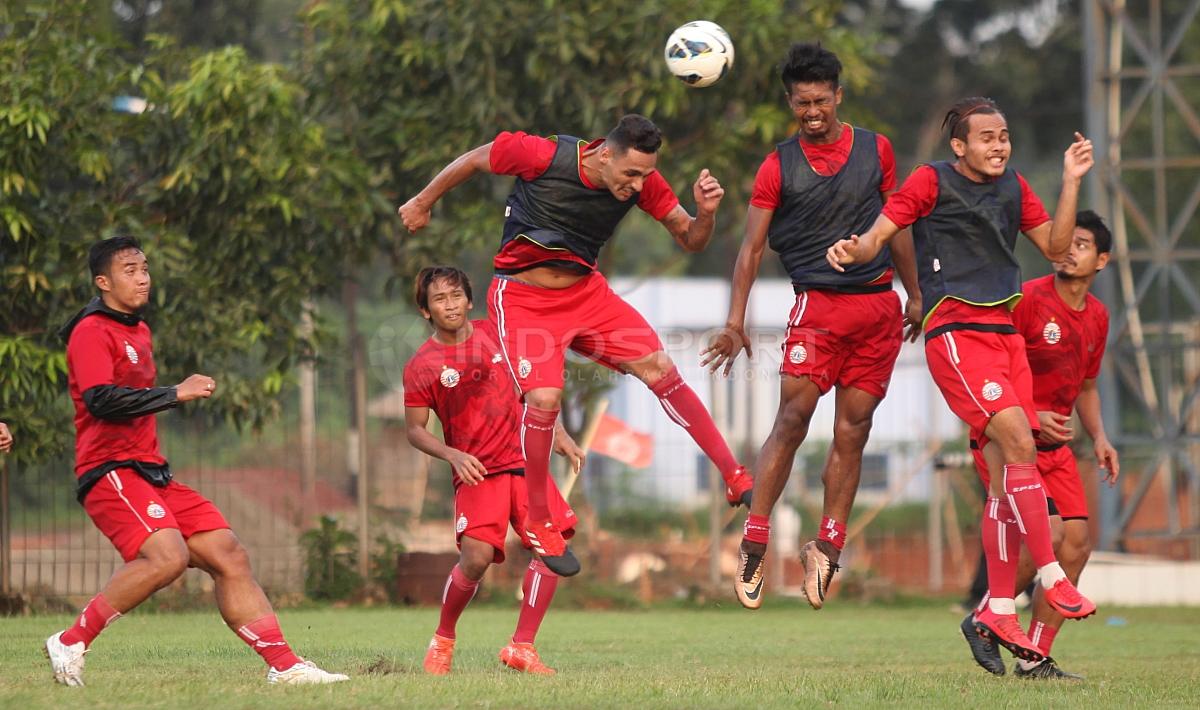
point(847, 340)
point(538, 325)
point(981, 374)
point(128, 510)
point(486, 510)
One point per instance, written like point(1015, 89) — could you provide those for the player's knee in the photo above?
point(792, 422)
point(234, 561)
point(548, 399)
point(850, 434)
point(168, 562)
point(474, 563)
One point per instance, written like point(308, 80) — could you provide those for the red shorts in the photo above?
point(981, 374)
point(127, 510)
point(484, 511)
point(848, 340)
point(1061, 478)
point(537, 325)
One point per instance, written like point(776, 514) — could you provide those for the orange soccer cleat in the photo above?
point(524, 657)
point(439, 656)
point(1066, 600)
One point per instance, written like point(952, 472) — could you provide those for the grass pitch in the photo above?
point(784, 655)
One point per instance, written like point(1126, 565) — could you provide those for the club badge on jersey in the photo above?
point(1052, 333)
point(449, 377)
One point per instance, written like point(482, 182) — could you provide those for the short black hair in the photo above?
point(809, 63)
point(634, 131)
point(426, 277)
point(956, 117)
point(1089, 220)
point(101, 254)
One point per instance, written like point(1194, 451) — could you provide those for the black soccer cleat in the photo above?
point(1047, 669)
point(564, 565)
point(985, 652)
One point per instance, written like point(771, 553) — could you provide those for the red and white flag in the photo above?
point(615, 439)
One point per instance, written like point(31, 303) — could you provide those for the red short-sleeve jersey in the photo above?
point(469, 387)
point(102, 351)
point(825, 159)
point(918, 195)
point(1064, 346)
point(526, 157)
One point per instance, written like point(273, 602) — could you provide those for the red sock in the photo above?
point(460, 590)
point(264, 636)
point(685, 409)
point(1042, 636)
point(832, 532)
point(1028, 502)
point(538, 589)
point(758, 528)
point(537, 440)
point(1001, 547)
point(92, 620)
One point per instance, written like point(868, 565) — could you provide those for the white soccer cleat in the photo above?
point(66, 661)
point(304, 673)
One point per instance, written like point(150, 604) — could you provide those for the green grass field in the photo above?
point(781, 656)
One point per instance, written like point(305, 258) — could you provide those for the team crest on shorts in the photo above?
point(1052, 333)
point(449, 377)
point(524, 367)
point(131, 353)
point(156, 511)
point(461, 524)
point(992, 391)
point(797, 354)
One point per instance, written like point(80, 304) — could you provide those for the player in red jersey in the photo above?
point(1065, 329)
point(547, 297)
point(965, 217)
point(160, 526)
point(460, 375)
point(845, 328)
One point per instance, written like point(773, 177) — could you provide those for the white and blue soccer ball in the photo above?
point(699, 53)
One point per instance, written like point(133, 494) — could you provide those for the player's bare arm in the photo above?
point(694, 233)
point(416, 212)
point(468, 468)
point(857, 249)
point(904, 257)
point(1088, 407)
point(725, 346)
point(1053, 238)
point(6, 438)
point(566, 447)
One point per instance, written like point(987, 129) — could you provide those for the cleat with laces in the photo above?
point(818, 573)
point(749, 581)
point(1005, 629)
point(1047, 669)
point(524, 657)
point(439, 656)
point(1066, 600)
point(739, 488)
point(66, 661)
point(304, 673)
point(546, 540)
point(986, 652)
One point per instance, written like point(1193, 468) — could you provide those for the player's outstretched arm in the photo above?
point(724, 347)
point(1088, 406)
point(6, 438)
point(416, 212)
point(467, 467)
point(1053, 238)
point(857, 249)
point(116, 403)
point(566, 447)
point(694, 233)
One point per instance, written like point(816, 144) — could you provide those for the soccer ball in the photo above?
point(699, 53)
